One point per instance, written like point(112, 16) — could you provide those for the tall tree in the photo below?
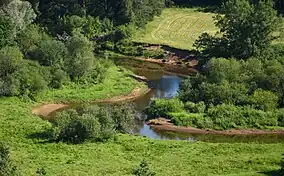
point(14, 18)
point(245, 29)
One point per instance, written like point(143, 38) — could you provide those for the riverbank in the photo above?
point(47, 109)
point(166, 125)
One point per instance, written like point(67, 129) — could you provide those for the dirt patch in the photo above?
point(133, 95)
point(47, 109)
point(165, 125)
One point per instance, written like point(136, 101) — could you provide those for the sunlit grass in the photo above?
point(177, 27)
point(117, 82)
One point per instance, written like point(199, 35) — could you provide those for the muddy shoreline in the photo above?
point(163, 124)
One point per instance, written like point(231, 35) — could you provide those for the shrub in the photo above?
point(58, 78)
point(30, 79)
point(81, 57)
point(230, 116)
point(50, 52)
point(281, 117)
point(143, 170)
point(186, 119)
point(123, 116)
point(161, 107)
point(199, 107)
point(71, 127)
point(6, 166)
point(95, 75)
point(93, 122)
point(157, 54)
point(264, 100)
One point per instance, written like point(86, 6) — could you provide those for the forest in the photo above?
point(64, 54)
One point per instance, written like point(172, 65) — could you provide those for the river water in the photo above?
point(165, 85)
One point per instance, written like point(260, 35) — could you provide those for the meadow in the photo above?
point(30, 150)
point(28, 138)
point(177, 27)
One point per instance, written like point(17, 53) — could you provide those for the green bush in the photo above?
point(186, 119)
point(264, 100)
point(6, 166)
point(230, 116)
point(50, 52)
point(93, 122)
point(69, 126)
point(191, 107)
point(281, 117)
point(58, 78)
point(30, 79)
point(156, 54)
point(127, 47)
point(123, 116)
point(161, 107)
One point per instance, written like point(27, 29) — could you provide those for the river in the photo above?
point(166, 85)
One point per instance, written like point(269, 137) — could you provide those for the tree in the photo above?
point(81, 57)
point(50, 52)
point(19, 14)
point(11, 60)
point(245, 29)
point(123, 117)
point(6, 35)
point(29, 39)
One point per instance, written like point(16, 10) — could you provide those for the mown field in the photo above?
point(177, 27)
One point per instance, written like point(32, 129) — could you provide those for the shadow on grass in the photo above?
point(42, 137)
point(272, 173)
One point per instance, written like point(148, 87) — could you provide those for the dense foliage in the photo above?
point(278, 4)
point(244, 93)
point(93, 122)
point(51, 44)
point(245, 30)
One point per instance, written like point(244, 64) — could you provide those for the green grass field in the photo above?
point(23, 132)
point(177, 27)
point(30, 150)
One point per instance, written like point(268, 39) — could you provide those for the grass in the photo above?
point(117, 83)
point(177, 27)
point(24, 132)
point(30, 149)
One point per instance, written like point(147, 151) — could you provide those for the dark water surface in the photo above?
point(165, 85)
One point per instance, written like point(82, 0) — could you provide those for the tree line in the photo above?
point(48, 44)
point(278, 4)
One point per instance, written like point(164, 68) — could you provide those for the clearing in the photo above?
point(177, 27)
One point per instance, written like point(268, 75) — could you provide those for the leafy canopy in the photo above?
point(246, 29)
